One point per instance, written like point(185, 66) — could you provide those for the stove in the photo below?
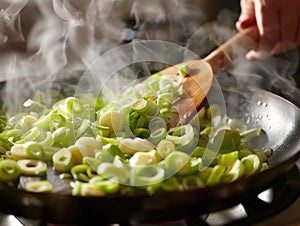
point(277, 205)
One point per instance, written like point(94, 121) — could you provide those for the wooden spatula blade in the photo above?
point(196, 86)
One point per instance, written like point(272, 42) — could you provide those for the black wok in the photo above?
point(280, 120)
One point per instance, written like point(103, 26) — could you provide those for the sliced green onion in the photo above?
point(32, 167)
point(249, 134)
point(228, 140)
point(140, 106)
point(32, 134)
point(113, 173)
point(27, 122)
point(178, 162)
point(181, 135)
point(151, 175)
point(183, 70)
point(171, 184)
point(141, 132)
point(83, 127)
point(165, 147)
point(88, 146)
point(63, 160)
point(215, 175)
point(130, 146)
point(233, 172)
point(165, 100)
point(38, 186)
point(34, 150)
point(114, 120)
point(87, 189)
point(228, 158)
point(142, 158)
point(18, 151)
point(192, 181)
point(157, 135)
point(73, 105)
point(9, 170)
point(48, 140)
point(5, 143)
point(79, 172)
point(107, 186)
point(252, 164)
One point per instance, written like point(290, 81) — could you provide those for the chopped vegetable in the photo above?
point(125, 146)
point(39, 186)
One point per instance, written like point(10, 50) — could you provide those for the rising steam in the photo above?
point(45, 41)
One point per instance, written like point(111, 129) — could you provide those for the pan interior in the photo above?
point(279, 119)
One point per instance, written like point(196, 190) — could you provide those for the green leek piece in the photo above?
point(213, 111)
point(151, 175)
point(113, 173)
point(86, 123)
point(73, 105)
point(41, 186)
point(252, 164)
point(191, 182)
point(233, 172)
point(32, 134)
point(18, 151)
point(165, 147)
point(228, 140)
point(5, 143)
point(64, 136)
point(63, 160)
point(140, 106)
point(204, 173)
point(165, 100)
point(34, 150)
point(183, 70)
point(171, 184)
point(79, 172)
point(141, 132)
point(178, 162)
point(228, 158)
point(9, 170)
point(157, 135)
point(114, 120)
point(87, 189)
point(47, 141)
point(13, 133)
point(91, 162)
point(181, 135)
point(142, 158)
point(107, 186)
point(249, 134)
point(215, 176)
point(108, 153)
point(32, 167)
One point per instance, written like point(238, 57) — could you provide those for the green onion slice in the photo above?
point(63, 160)
point(38, 186)
point(9, 170)
point(147, 175)
point(32, 167)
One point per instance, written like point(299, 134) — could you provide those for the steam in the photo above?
point(42, 42)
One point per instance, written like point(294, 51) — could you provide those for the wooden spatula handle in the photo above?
point(237, 46)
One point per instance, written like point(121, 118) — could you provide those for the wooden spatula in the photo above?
point(199, 80)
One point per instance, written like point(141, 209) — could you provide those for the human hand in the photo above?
point(278, 23)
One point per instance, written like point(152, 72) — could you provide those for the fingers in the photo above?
point(267, 20)
point(278, 23)
point(247, 16)
point(289, 30)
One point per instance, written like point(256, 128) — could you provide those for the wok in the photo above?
point(279, 118)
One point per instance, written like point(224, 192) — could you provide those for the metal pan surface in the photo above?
point(279, 118)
